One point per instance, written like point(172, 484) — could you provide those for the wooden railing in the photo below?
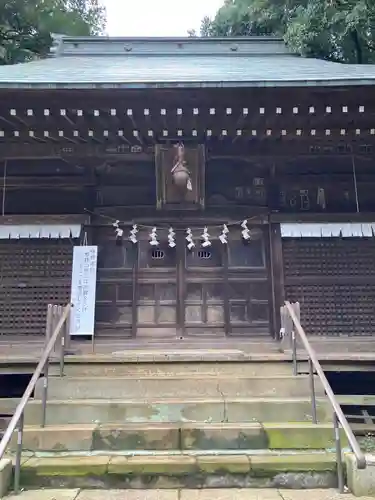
point(57, 334)
point(290, 328)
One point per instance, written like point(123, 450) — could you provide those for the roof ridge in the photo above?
point(104, 45)
point(190, 39)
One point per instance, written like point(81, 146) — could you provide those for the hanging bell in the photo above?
point(180, 172)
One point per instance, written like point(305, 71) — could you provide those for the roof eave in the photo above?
point(332, 82)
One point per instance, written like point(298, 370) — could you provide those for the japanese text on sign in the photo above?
point(83, 290)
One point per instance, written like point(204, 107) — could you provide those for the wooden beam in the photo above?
point(322, 217)
point(15, 150)
point(257, 147)
point(44, 219)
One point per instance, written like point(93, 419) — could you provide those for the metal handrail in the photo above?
point(339, 416)
point(17, 420)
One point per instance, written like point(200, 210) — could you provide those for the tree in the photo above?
point(245, 18)
point(338, 30)
point(26, 26)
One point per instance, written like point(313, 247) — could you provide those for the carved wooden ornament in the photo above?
point(180, 176)
point(180, 172)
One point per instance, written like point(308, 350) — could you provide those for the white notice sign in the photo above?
point(83, 290)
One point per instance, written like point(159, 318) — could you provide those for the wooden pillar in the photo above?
point(181, 284)
point(227, 324)
point(135, 291)
point(277, 274)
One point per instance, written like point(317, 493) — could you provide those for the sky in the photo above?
point(157, 17)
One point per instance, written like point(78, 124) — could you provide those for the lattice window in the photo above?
point(335, 310)
point(35, 260)
point(333, 279)
point(329, 257)
point(33, 274)
point(205, 257)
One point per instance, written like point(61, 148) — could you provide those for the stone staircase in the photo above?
point(171, 425)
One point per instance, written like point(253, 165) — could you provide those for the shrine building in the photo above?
point(215, 178)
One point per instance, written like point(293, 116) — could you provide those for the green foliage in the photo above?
point(244, 18)
point(338, 30)
point(26, 25)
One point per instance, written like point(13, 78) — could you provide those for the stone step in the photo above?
point(182, 471)
point(176, 370)
point(150, 407)
point(187, 436)
point(86, 411)
point(167, 387)
point(184, 494)
point(99, 411)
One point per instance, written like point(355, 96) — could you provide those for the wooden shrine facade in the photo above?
point(271, 156)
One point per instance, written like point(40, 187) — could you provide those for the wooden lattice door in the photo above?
point(136, 288)
point(227, 288)
point(157, 290)
point(163, 292)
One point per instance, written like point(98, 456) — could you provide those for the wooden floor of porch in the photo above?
point(25, 350)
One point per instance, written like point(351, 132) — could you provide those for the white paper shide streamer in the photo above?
point(245, 231)
point(189, 239)
point(133, 234)
point(153, 238)
point(223, 236)
point(171, 238)
point(118, 231)
point(205, 238)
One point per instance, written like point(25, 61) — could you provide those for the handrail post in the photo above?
point(62, 355)
point(340, 468)
point(18, 416)
point(294, 353)
point(284, 334)
point(17, 468)
point(49, 325)
point(62, 342)
point(55, 320)
point(312, 389)
point(67, 332)
point(296, 309)
point(338, 415)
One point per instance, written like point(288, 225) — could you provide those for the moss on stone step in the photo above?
point(153, 465)
point(271, 465)
point(301, 435)
point(283, 436)
point(136, 437)
point(224, 464)
point(179, 436)
point(184, 470)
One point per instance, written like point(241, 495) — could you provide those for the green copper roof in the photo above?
point(102, 62)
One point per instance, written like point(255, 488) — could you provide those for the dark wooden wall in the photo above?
point(285, 185)
point(42, 186)
point(251, 176)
